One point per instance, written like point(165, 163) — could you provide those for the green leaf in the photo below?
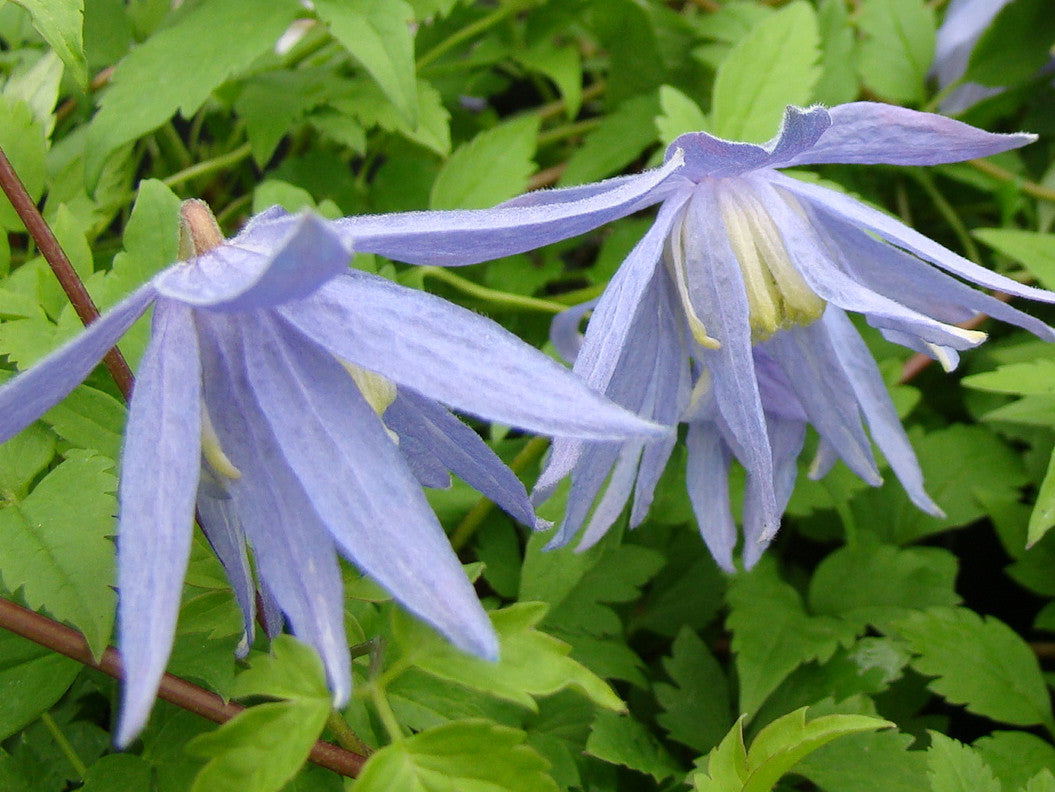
point(22, 139)
point(38, 87)
point(868, 582)
point(1044, 781)
point(365, 101)
point(61, 22)
point(91, 419)
point(1014, 46)
point(776, 750)
point(838, 80)
point(531, 663)
point(898, 47)
point(981, 664)
point(563, 65)
point(21, 459)
point(32, 679)
point(202, 35)
point(697, 710)
point(623, 740)
point(264, 746)
point(614, 143)
point(274, 102)
point(1042, 519)
point(955, 767)
point(377, 34)
point(1035, 252)
point(1036, 377)
point(493, 166)
point(464, 756)
point(120, 772)
point(867, 762)
point(773, 635)
point(1015, 756)
point(57, 546)
point(772, 67)
point(679, 115)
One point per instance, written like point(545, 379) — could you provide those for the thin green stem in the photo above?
point(579, 295)
point(64, 745)
point(566, 131)
point(528, 455)
point(378, 697)
point(205, 167)
point(493, 296)
point(948, 212)
point(233, 208)
point(1030, 188)
point(346, 738)
point(472, 30)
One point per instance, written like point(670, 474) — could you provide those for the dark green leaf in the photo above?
point(955, 767)
point(31, 680)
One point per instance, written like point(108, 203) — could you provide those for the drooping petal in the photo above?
point(453, 238)
point(878, 409)
point(869, 133)
point(36, 390)
point(159, 479)
point(813, 371)
point(707, 156)
point(616, 494)
point(914, 283)
point(717, 289)
point(707, 480)
point(897, 233)
point(358, 484)
point(455, 356)
point(250, 272)
point(461, 451)
point(295, 557)
point(593, 464)
point(785, 438)
point(219, 523)
point(564, 331)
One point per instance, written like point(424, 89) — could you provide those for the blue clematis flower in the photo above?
point(963, 25)
point(244, 408)
point(729, 315)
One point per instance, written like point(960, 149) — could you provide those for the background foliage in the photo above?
point(636, 665)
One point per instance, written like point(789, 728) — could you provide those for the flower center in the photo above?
point(378, 391)
point(777, 295)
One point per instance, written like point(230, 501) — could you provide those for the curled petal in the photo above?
point(255, 271)
point(159, 478)
point(36, 390)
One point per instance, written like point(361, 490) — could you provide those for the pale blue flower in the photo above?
point(729, 315)
point(963, 25)
point(300, 405)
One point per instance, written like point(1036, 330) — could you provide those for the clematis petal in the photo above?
point(295, 557)
point(36, 390)
point(707, 156)
point(454, 238)
point(594, 463)
point(878, 409)
point(707, 479)
point(219, 523)
point(248, 272)
point(812, 369)
point(786, 438)
point(897, 233)
point(717, 290)
point(870, 133)
point(159, 478)
point(358, 484)
point(461, 450)
point(564, 331)
point(440, 349)
point(616, 495)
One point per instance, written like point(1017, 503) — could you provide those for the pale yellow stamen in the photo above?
point(378, 391)
point(213, 452)
point(676, 262)
point(198, 231)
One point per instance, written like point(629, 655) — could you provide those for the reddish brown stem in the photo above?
point(67, 641)
point(68, 278)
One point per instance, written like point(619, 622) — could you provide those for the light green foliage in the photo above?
point(464, 756)
point(531, 663)
point(264, 746)
point(57, 546)
point(954, 767)
point(1015, 757)
point(979, 663)
point(868, 762)
point(118, 773)
point(563, 65)
point(897, 47)
point(775, 65)
point(201, 36)
point(773, 634)
point(22, 139)
point(377, 34)
point(614, 143)
point(60, 23)
point(777, 748)
point(1036, 252)
point(679, 115)
point(838, 82)
point(493, 166)
point(38, 87)
point(365, 101)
